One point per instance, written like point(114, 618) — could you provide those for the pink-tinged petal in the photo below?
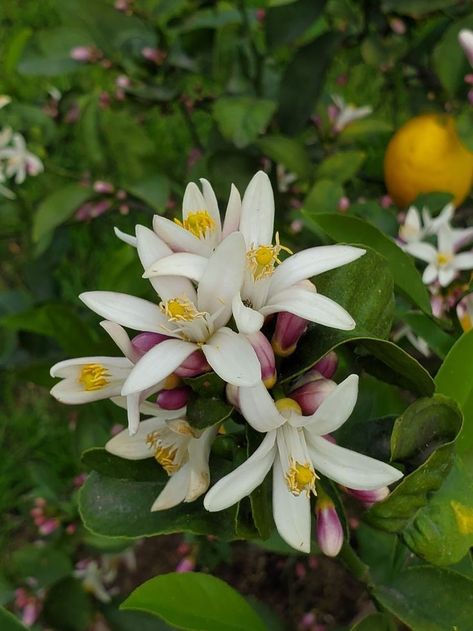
point(121, 339)
point(232, 358)
point(175, 490)
point(157, 364)
point(126, 310)
point(368, 498)
point(329, 529)
point(328, 365)
point(311, 306)
point(291, 513)
point(178, 238)
point(216, 289)
point(180, 264)
point(463, 261)
point(248, 320)
point(423, 251)
point(310, 396)
point(233, 212)
point(194, 365)
point(129, 239)
point(143, 342)
point(211, 204)
point(265, 354)
point(349, 468)
point(446, 275)
point(430, 274)
point(257, 212)
point(151, 249)
point(310, 262)
point(259, 409)
point(289, 329)
point(244, 479)
point(335, 409)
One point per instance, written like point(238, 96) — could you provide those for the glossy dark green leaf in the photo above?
point(67, 606)
point(287, 151)
point(429, 599)
point(416, 8)
point(376, 622)
point(323, 197)
point(348, 229)
point(194, 601)
point(99, 460)
point(287, 22)
point(207, 385)
point(57, 208)
point(121, 620)
point(9, 622)
point(241, 119)
point(204, 412)
point(307, 68)
point(341, 166)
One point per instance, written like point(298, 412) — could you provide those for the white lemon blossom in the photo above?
point(182, 453)
point(416, 228)
point(269, 284)
point(295, 447)
point(465, 38)
point(443, 263)
point(19, 162)
point(194, 319)
point(347, 113)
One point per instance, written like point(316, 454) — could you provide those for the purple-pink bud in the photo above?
point(312, 394)
point(173, 399)
point(368, 498)
point(81, 53)
point(49, 526)
point(143, 342)
point(156, 55)
point(289, 329)
point(329, 529)
point(343, 203)
point(103, 187)
point(194, 365)
point(327, 366)
point(185, 565)
point(265, 354)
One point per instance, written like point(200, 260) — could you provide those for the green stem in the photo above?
point(355, 565)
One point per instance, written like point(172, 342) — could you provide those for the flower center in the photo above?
point(263, 258)
point(301, 477)
point(286, 406)
point(165, 454)
point(444, 258)
point(199, 223)
point(94, 377)
point(180, 310)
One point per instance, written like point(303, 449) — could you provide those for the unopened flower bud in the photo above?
point(312, 394)
point(173, 399)
point(368, 498)
point(465, 37)
point(143, 342)
point(329, 529)
point(81, 53)
point(265, 355)
point(185, 565)
point(327, 366)
point(289, 329)
point(49, 526)
point(194, 365)
point(155, 55)
point(103, 187)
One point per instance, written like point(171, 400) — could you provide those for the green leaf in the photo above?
point(261, 497)
point(154, 191)
point(121, 620)
point(376, 622)
point(287, 22)
point(48, 52)
point(203, 412)
point(429, 599)
point(207, 385)
point(341, 166)
point(194, 601)
point(353, 230)
point(303, 81)
point(57, 208)
point(9, 622)
point(416, 8)
point(364, 128)
point(464, 125)
point(46, 564)
point(241, 119)
point(287, 151)
point(449, 59)
point(105, 463)
point(67, 606)
point(323, 197)
point(438, 340)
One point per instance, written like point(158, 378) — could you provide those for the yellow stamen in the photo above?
point(444, 258)
point(93, 377)
point(288, 405)
point(172, 381)
point(263, 258)
point(301, 477)
point(199, 223)
point(165, 455)
point(180, 310)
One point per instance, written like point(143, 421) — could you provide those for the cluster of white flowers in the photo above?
point(217, 285)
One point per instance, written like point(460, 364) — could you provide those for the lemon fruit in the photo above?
point(424, 156)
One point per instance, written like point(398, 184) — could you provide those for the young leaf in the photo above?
point(194, 601)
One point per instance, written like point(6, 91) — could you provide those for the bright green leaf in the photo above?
point(287, 151)
point(450, 62)
point(341, 166)
point(153, 190)
point(438, 340)
point(323, 197)
point(242, 119)
point(376, 622)
point(57, 208)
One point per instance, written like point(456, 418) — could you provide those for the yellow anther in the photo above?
point(287, 405)
point(165, 455)
point(301, 477)
point(263, 258)
point(443, 258)
point(172, 381)
point(180, 310)
point(199, 223)
point(93, 377)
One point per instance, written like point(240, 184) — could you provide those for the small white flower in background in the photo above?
point(269, 284)
point(416, 229)
point(417, 342)
point(183, 454)
point(465, 313)
point(295, 447)
point(95, 579)
point(4, 100)
point(346, 113)
point(465, 37)
point(18, 161)
point(443, 263)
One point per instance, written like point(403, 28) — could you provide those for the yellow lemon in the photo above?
point(425, 155)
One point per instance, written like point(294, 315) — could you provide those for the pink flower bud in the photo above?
point(343, 203)
point(31, 612)
point(469, 78)
point(122, 81)
point(81, 53)
point(232, 395)
point(143, 342)
point(103, 187)
point(71, 529)
point(312, 394)
point(368, 498)
point(185, 565)
point(155, 55)
point(327, 366)
point(265, 355)
point(194, 365)
point(385, 201)
point(21, 597)
point(438, 305)
point(397, 25)
point(173, 399)
point(49, 526)
point(329, 529)
point(289, 329)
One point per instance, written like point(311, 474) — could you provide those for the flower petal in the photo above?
point(68, 367)
point(135, 447)
point(259, 409)
point(349, 468)
point(178, 238)
point(121, 339)
point(445, 239)
point(244, 479)
point(123, 236)
point(311, 306)
point(310, 262)
point(423, 251)
point(334, 410)
point(157, 364)
point(193, 200)
point(247, 319)
point(446, 275)
point(126, 310)
point(133, 412)
point(184, 264)
point(175, 490)
point(71, 392)
point(199, 477)
point(291, 513)
point(463, 261)
point(257, 211)
point(211, 204)
point(430, 274)
point(232, 357)
point(232, 214)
